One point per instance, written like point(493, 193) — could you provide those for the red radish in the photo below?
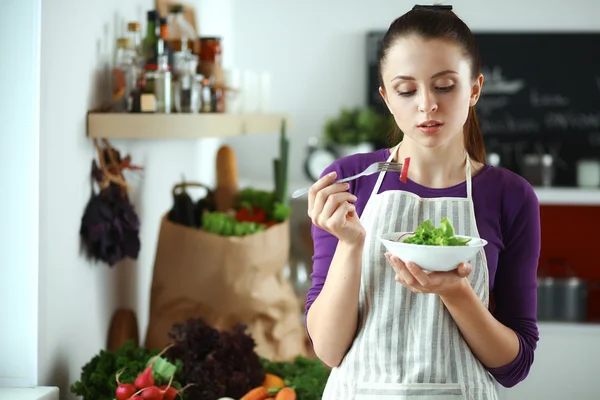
point(146, 378)
point(136, 397)
point(404, 173)
point(124, 390)
point(152, 393)
point(169, 392)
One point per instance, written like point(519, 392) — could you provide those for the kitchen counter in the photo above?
point(592, 328)
point(568, 196)
point(29, 393)
point(565, 366)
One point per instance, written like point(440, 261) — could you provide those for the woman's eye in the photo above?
point(407, 93)
point(444, 88)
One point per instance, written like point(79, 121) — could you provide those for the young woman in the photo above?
point(390, 329)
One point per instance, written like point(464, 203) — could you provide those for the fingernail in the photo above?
point(332, 174)
point(353, 198)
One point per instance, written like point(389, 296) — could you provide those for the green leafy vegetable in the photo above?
point(307, 376)
point(97, 380)
point(226, 225)
point(163, 368)
point(267, 201)
point(443, 235)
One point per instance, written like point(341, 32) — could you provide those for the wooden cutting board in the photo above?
point(123, 327)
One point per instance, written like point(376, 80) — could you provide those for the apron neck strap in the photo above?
point(468, 177)
point(382, 174)
point(393, 154)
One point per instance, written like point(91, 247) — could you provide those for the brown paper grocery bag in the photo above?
point(226, 280)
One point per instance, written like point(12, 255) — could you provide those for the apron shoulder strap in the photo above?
point(382, 174)
point(468, 177)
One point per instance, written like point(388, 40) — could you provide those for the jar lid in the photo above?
point(133, 26)
point(123, 43)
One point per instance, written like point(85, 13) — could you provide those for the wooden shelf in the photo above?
point(182, 126)
point(568, 196)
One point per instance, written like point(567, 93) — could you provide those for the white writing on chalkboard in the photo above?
point(548, 100)
point(572, 120)
point(487, 105)
point(510, 124)
point(556, 121)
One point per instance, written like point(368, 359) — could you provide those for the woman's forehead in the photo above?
point(419, 57)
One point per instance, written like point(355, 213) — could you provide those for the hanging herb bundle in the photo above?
point(110, 226)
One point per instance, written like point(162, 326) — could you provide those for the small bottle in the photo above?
point(151, 42)
point(181, 34)
point(143, 97)
point(124, 76)
point(206, 95)
point(162, 85)
point(167, 49)
point(187, 92)
point(134, 35)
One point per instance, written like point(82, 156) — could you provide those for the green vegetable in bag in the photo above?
point(225, 225)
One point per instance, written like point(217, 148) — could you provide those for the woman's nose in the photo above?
point(427, 102)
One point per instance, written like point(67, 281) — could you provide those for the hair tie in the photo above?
point(435, 8)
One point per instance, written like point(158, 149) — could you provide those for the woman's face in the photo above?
point(429, 89)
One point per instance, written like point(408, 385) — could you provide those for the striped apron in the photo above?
point(407, 345)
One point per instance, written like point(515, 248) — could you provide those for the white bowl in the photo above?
point(431, 258)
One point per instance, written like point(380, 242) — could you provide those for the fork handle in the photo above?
point(303, 191)
point(300, 192)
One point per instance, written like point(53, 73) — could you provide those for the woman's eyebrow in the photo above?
point(436, 75)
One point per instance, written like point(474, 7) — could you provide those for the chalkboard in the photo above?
point(540, 84)
point(541, 95)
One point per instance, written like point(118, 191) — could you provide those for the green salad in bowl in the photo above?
point(433, 248)
point(428, 234)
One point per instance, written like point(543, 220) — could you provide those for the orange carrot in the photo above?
point(286, 393)
point(258, 393)
point(273, 382)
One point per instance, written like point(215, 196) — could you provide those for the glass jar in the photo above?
point(124, 75)
point(159, 83)
point(187, 88)
point(210, 56)
point(181, 34)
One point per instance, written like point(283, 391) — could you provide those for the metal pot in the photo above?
point(562, 299)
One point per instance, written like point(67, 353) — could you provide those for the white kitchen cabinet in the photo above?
point(566, 366)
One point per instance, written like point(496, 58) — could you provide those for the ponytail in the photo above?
point(473, 137)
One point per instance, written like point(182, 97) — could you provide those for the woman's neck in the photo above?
point(437, 167)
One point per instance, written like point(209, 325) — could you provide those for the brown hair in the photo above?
point(440, 23)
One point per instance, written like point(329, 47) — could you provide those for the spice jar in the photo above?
point(210, 55)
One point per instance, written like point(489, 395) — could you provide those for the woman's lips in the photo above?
point(430, 127)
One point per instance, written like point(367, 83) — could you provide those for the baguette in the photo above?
point(227, 190)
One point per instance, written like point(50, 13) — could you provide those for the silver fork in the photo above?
point(371, 169)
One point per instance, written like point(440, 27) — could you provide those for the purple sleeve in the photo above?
point(515, 289)
point(324, 248)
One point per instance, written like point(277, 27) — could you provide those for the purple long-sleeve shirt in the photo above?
point(507, 214)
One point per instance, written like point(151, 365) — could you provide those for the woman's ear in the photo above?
point(384, 97)
point(476, 90)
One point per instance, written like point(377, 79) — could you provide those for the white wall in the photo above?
point(315, 52)
point(19, 139)
point(77, 297)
